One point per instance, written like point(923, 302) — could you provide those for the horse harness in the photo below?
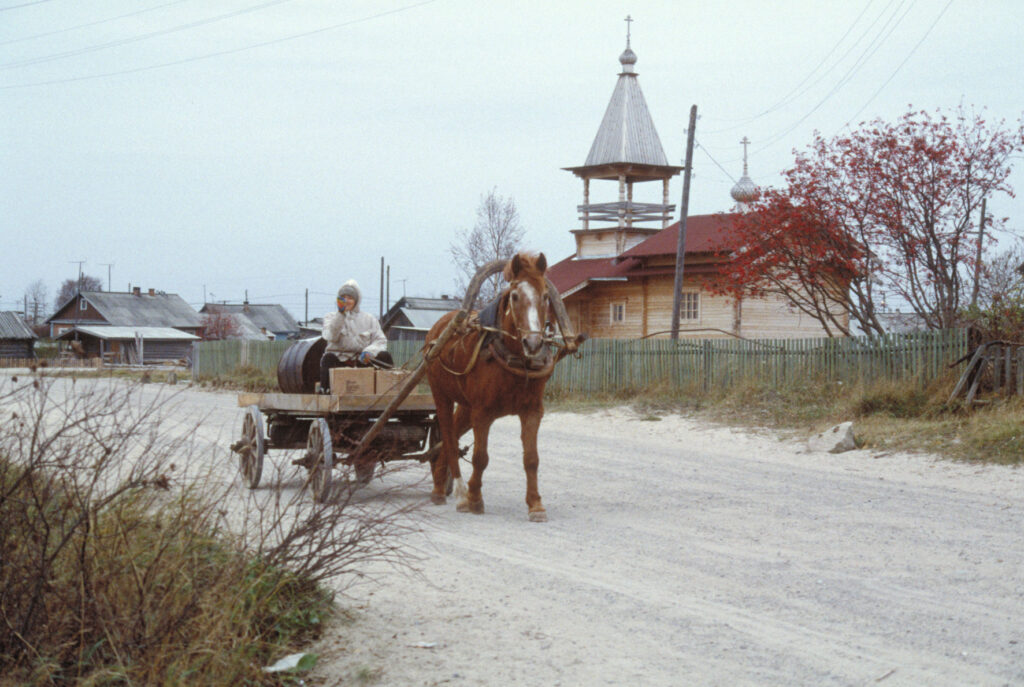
point(489, 344)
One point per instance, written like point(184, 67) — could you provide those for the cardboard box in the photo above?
point(352, 381)
point(389, 382)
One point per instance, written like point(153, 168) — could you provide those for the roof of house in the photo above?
point(109, 333)
point(421, 313)
point(271, 316)
point(704, 234)
point(142, 310)
point(13, 327)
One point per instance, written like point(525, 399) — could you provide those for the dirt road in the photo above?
point(679, 553)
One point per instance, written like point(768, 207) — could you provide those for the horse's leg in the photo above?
point(529, 423)
point(462, 423)
point(449, 449)
point(474, 501)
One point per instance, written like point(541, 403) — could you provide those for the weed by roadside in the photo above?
point(128, 559)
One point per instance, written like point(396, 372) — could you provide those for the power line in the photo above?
point(92, 23)
point(221, 53)
point(900, 65)
point(135, 39)
point(24, 4)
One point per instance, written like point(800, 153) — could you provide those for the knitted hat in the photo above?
point(349, 288)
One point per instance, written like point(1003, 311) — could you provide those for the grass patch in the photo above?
point(242, 378)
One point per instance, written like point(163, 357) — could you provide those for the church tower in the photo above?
point(627, 150)
point(745, 191)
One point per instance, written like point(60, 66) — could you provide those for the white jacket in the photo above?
point(350, 333)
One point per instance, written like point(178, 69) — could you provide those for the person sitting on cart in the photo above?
point(354, 337)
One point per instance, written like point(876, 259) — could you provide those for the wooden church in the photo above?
point(620, 281)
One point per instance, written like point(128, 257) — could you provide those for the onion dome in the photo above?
point(745, 190)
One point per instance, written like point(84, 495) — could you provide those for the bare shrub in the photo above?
point(130, 552)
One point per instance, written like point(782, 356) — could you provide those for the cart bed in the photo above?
point(321, 404)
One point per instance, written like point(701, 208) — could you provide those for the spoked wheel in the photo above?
point(320, 454)
point(251, 447)
point(433, 439)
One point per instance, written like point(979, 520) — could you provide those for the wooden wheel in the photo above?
point(320, 452)
point(251, 447)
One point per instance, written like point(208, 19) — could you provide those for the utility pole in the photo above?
point(79, 263)
point(380, 303)
point(977, 257)
point(684, 209)
point(307, 307)
point(108, 265)
point(387, 293)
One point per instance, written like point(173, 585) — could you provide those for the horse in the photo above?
point(490, 371)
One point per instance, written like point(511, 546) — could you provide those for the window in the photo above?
point(82, 305)
point(618, 312)
point(689, 306)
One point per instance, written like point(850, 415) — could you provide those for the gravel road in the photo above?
point(677, 552)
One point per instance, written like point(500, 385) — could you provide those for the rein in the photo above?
point(492, 338)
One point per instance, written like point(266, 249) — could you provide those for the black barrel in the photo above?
point(299, 369)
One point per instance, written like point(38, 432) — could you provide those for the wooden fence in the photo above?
point(607, 365)
point(212, 358)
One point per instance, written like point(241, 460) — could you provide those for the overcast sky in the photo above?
point(226, 146)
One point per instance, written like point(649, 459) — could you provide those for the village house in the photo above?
point(409, 319)
point(127, 327)
point(16, 338)
point(620, 282)
point(257, 321)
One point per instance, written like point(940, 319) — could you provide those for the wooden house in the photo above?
point(620, 282)
point(258, 321)
point(17, 340)
point(165, 319)
point(409, 319)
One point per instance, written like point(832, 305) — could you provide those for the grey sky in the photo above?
point(356, 130)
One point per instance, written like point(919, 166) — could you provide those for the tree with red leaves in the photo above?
point(218, 326)
point(887, 212)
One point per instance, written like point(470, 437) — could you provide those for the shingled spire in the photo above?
point(626, 149)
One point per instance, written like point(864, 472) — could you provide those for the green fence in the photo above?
point(604, 365)
point(212, 358)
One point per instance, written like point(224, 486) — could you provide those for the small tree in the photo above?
point(218, 326)
point(69, 287)
point(35, 298)
point(497, 235)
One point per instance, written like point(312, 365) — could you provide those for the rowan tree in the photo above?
point(497, 235)
point(886, 212)
point(217, 326)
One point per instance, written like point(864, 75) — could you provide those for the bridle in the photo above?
point(509, 310)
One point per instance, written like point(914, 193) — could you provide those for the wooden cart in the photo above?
point(330, 429)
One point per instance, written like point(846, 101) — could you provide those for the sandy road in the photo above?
point(679, 553)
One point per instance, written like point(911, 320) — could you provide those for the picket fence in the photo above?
point(613, 365)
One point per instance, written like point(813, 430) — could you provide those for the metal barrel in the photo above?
point(299, 369)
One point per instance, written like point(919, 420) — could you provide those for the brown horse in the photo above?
point(492, 371)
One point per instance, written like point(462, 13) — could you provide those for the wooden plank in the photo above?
point(321, 404)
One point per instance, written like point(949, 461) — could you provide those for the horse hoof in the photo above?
point(438, 499)
point(475, 507)
point(538, 516)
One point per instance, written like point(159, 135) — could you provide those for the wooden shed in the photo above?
point(131, 345)
point(16, 338)
point(411, 318)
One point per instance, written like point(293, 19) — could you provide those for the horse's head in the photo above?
point(527, 305)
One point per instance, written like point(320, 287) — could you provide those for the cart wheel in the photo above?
point(252, 447)
point(433, 439)
point(320, 451)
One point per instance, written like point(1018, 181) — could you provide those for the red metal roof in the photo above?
point(704, 234)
